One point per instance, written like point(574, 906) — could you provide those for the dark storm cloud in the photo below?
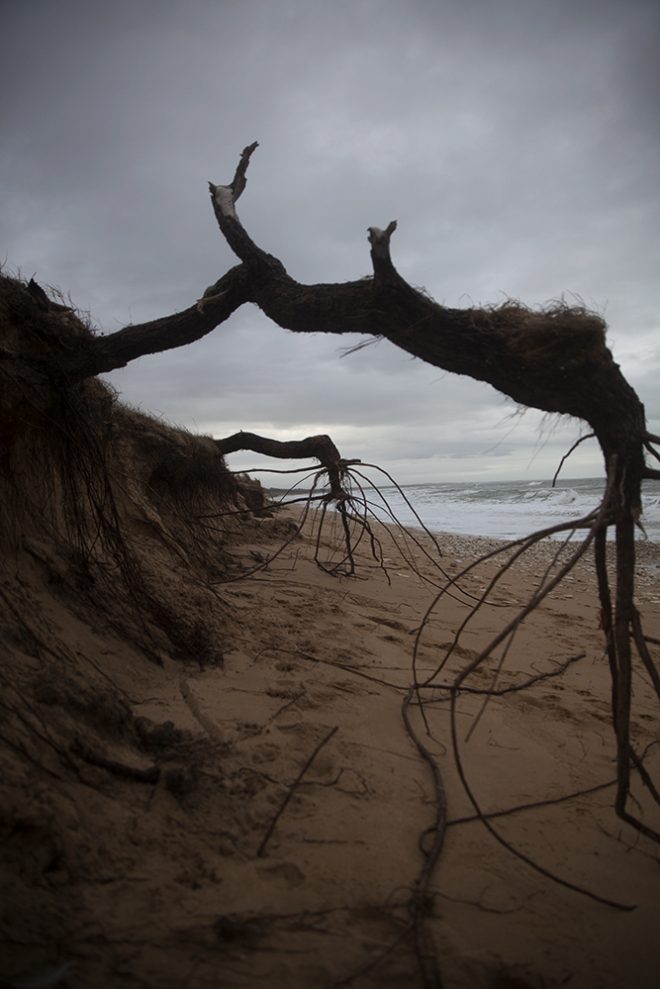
point(515, 142)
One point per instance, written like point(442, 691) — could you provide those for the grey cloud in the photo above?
point(515, 143)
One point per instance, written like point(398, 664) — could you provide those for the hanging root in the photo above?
point(349, 513)
point(493, 656)
point(346, 511)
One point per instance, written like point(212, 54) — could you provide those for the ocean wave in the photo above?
point(509, 510)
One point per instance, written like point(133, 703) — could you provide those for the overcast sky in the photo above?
point(515, 141)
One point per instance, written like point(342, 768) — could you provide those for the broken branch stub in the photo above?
point(380, 250)
point(223, 199)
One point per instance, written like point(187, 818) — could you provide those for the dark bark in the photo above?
point(100, 354)
point(320, 447)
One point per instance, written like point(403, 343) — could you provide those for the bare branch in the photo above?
point(439, 830)
point(99, 354)
point(223, 199)
point(587, 436)
point(320, 447)
point(290, 792)
point(511, 688)
point(240, 180)
point(651, 449)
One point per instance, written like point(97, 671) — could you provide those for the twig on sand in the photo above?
point(292, 789)
point(420, 897)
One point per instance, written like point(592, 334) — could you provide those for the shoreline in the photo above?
point(499, 510)
point(471, 547)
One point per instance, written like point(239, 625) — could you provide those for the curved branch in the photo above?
point(651, 449)
point(587, 436)
point(240, 180)
point(100, 354)
point(555, 361)
point(223, 200)
point(321, 447)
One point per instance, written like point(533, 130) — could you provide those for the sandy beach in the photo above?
point(277, 825)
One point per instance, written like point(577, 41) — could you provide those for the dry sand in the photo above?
point(223, 873)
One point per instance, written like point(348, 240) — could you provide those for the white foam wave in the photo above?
point(508, 510)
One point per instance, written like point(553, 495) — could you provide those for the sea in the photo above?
point(502, 509)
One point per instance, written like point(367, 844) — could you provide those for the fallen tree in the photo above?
point(555, 360)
